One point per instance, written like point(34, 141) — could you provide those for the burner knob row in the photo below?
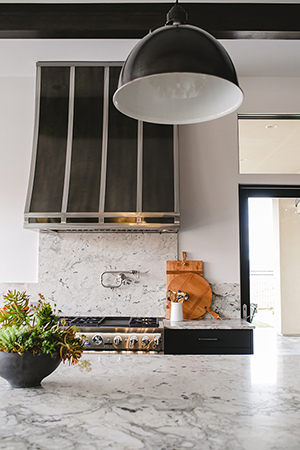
point(133, 340)
point(145, 340)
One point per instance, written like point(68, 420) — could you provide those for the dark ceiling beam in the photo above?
point(133, 20)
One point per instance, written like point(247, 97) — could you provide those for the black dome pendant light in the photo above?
point(178, 74)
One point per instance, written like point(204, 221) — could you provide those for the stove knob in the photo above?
point(157, 340)
point(85, 341)
point(117, 340)
point(132, 341)
point(97, 340)
point(145, 340)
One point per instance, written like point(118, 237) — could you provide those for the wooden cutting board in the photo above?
point(200, 294)
point(174, 268)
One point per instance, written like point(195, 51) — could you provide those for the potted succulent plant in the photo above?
point(32, 342)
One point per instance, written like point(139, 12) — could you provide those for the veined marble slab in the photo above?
point(159, 402)
point(226, 300)
point(71, 264)
point(206, 324)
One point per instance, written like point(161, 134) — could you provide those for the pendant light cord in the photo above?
point(177, 15)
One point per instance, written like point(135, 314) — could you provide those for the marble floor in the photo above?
point(160, 402)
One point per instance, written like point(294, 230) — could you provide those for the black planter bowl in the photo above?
point(27, 370)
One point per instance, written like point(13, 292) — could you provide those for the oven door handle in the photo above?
point(207, 339)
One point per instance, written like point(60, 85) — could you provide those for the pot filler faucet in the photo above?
point(120, 277)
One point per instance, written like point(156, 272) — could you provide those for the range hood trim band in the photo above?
point(102, 214)
point(137, 227)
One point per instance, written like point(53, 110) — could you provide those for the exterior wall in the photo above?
point(277, 284)
point(289, 257)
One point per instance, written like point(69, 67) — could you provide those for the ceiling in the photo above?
point(261, 42)
point(148, 1)
point(224, 20)
point(269, 145)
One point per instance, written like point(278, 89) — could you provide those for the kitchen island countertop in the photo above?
point(158, 402)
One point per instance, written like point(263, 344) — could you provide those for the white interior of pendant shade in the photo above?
point(178, 98)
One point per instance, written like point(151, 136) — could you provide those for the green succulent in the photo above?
point(24, 328)
point(16, 309)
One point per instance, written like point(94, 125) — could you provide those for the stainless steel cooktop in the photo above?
point(120, 334)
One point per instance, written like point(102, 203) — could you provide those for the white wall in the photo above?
point(208, 166)
point(210, 178)
point(208, 159)
point(18, 247)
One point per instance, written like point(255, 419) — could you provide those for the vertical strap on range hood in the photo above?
point(139, 190)
point(104, 142)
point(176, 167)
point(35, 140)
point(69, 144)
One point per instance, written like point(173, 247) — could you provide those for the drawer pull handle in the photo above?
point(207, 339)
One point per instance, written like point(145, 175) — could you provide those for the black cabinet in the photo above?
point(208, 342)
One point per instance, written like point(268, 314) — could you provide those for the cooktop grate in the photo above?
point(117, 321)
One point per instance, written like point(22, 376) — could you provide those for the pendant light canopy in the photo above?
point(178, 74)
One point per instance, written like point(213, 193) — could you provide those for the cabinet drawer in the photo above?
point(208, 341)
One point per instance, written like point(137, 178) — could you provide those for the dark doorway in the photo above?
point(245, 192)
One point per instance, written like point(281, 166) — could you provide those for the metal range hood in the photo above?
point(94, 169)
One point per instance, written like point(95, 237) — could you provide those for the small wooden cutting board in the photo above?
point(174, 268)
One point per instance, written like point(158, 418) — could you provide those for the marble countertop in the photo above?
point(158, 402)
point(210, 324)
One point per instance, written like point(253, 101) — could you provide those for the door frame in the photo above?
point(245, 192)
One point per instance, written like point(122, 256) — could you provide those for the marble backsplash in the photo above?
point(226, 300)
point(71, 265)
